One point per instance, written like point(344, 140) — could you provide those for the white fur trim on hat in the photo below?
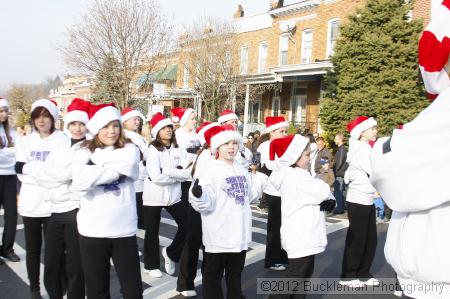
point(47, 104)
point(185, 116)
point(4, 103)
point(293, 152)
point(75, 115)
point(227, 117)
point(277, 126)
point(161, 124)
point(367, 124)
point(130, 115)
point(101, 118)
point(201, 133)
point(222, 138)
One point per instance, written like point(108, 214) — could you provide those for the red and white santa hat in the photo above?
point(359, 125)
point(4, 102)
point(218, 135)
point(77, 111)
point(50, 105)
point(101, 115)
point(287, 150)
point(275, 122)
point(203, 128)
point(434, 51)
point(226, 115)
point(181, 115)
point(158, 122)
point(129, 112)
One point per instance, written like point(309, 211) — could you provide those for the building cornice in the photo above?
point(294, 8)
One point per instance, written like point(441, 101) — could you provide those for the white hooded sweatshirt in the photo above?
point(225, 207)
point(360, 190)
point(414, 184)
point(303, 228)
point(108, 199)
point(34, 198)
point(7, 154)
point(264, 150)
point(162, 187)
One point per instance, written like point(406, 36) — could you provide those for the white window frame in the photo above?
point(276, 99)
point(257, 100)
point(304, 58)
point(243, 70)
point(281, 51)
point(262, 57)
point(330, 44)
point(185, 77)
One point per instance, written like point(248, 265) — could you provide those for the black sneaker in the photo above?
point(11, 256)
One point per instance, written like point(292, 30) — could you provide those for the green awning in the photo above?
point(169, 73)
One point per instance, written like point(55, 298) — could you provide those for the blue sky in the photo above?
point(30, 30)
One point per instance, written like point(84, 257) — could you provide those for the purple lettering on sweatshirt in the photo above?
point(236, 187)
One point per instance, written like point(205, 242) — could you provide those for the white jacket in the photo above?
point(55, 175)
point(108, 199)
point(7, 154)
point(201, 163)
point(34, 198)
point(264, 150)
point(140, 142)
point(162, 187)
point(360, 190)
point(225, 207)
point(303, 228)
point(187, 140)
point(244, 156)
point(414, 184)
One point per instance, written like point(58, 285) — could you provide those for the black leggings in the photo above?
point(34, 228)
point(8, 191)
point(152, 219)
point(275, 254)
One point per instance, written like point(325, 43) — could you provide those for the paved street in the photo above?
point(13, 278)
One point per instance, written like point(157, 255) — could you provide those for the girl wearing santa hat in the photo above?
point(62, 249)
point(8, 178)
point(361, 240)
point(103, 174)
point(189, 256)
point(276, 257)
point(131, 121)
point(167, 168)
point(34, 205)
point(223, 196)
point(303, 198)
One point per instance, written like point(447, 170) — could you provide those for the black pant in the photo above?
point(361, 242)
point(34, 228)
point(189, 255)
point(8, 191)
point(139, 210)
point(95, 256)
point(214, 266)
point(62, 257)
point(152, 220)
point(185, 186)
point(275, 254)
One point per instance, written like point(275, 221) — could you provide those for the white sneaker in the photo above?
point(398, 293)
point(355, 283)
point(189, 293)
point(278, 267)
point(372, 282)
point(153, 273)
point(168, 263)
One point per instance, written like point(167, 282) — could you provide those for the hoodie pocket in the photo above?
point(407, 239)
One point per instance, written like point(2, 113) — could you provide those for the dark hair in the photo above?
point(7, 132)
point(41, 111)
point(96, 143)
point(320, 139)
point(159, 145)
point(263, 138)
point(257, 132)
point(311, 138)
point(251, 134)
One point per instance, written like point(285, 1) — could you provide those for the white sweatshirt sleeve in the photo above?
point(154, 169)
point(305, 189)
point(86, 177)
point(205, 204)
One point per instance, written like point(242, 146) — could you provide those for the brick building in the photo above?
point(290, 46)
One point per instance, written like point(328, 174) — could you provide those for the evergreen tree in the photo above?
point(375, 69)
point(108, 84)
